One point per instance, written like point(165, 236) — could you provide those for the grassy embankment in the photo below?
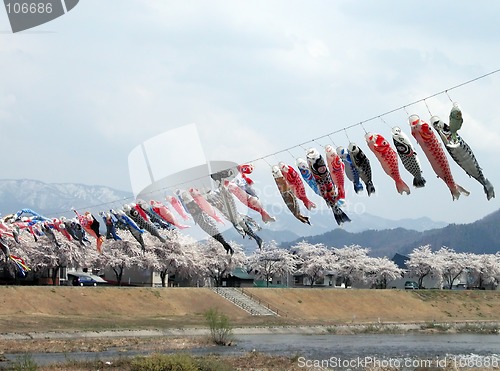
point(27, 309)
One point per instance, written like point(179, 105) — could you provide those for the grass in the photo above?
point(440, 327)
point(371, 328)
point(24, 362)
point(380, 329)
point(156, 293)
point(181, 361)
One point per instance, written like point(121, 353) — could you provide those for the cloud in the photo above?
point(256, 77)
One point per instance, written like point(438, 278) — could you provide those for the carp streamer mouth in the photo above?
point(337, 164)
point(425, 131)
point(403, 148)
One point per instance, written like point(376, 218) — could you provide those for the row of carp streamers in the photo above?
point(138, 218)
point(324, 175)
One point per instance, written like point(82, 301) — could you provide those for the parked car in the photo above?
point(84, 281)
point(411, 285)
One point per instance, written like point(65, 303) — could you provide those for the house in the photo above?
point(329, 280)
point(133, 276)
point(238, 278)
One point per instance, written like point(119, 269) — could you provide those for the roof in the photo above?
point(241, 274)
point(80, 274)
point(400, 260)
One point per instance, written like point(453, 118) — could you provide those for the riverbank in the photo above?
point(484, 327)
point(299, 349)
point(96, 319)
point(28, 309)
point(72, 320)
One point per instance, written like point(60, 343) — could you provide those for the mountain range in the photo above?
point(57, 199)
point(383, 236)
point(480, 237)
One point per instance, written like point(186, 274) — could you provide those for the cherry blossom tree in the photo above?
point(483, 269)
point(423, 263)
point(314, 261)
point(16, 249)
point(48, 254)
point(451, 264)
point(32, 251)
point(48, 250)
point(119, 255)
point(351, 263)
point(379, 271)
point(271, 261)
point(179, 255)
point(216, 263)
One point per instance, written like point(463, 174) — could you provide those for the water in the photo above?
point(359, 351)
point(346, 346)
point(337, 351)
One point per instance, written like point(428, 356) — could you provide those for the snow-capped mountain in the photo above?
point(57, 199)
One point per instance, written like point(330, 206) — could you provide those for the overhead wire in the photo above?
point(315, 140)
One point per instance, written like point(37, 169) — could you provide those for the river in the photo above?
point(337, 351)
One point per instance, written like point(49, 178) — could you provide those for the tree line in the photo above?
point(205, 263)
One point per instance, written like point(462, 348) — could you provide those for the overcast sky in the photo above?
point(79, 93)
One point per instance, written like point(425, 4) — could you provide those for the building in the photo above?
point(238, 278)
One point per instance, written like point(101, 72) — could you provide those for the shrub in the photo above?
point(211, 363)
point(24, 362)
point(492, 328)
point(221, 331)
point(164, 362)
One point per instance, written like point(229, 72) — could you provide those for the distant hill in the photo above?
point(56, 199)
point(322, 221)
point(287, 228)
point(482, 236)
point(381, 243)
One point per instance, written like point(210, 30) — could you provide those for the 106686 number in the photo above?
point(25, 8)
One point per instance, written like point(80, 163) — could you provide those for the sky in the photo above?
point(79, 93)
